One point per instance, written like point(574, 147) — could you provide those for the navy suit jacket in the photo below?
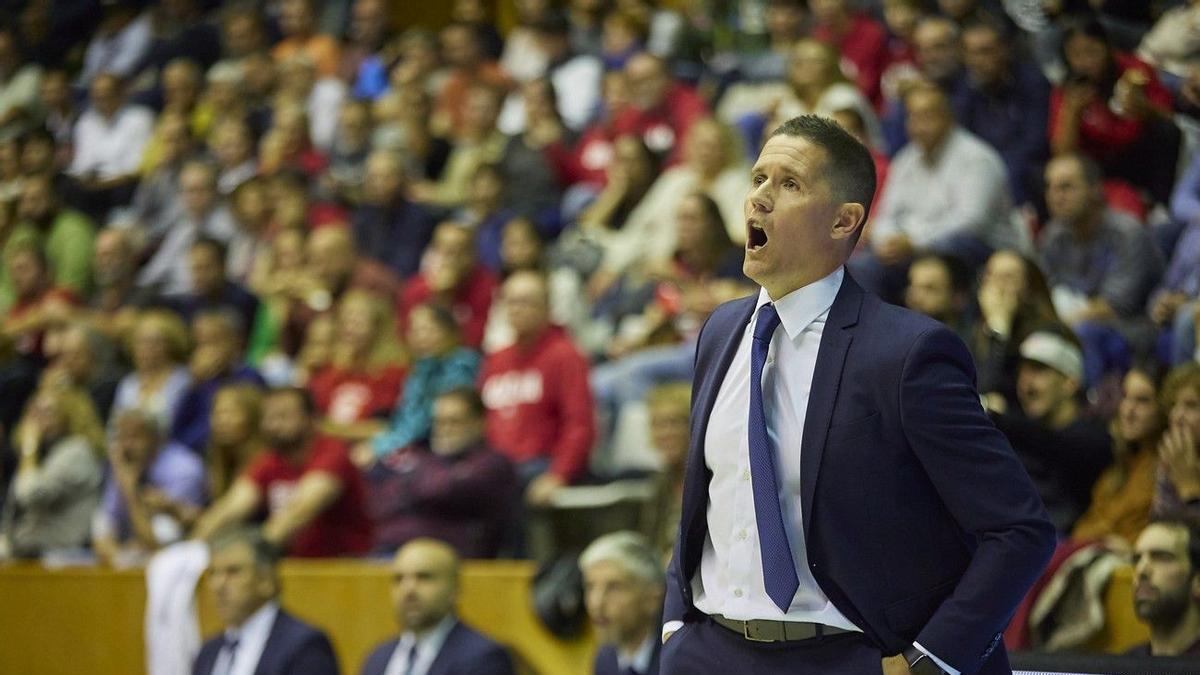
point(606, 661)
point(919, 521)
point(465, 652)
point(293, 648)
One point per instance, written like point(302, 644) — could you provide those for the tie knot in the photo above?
point(767, 322)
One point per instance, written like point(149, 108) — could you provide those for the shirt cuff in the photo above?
point(672, 626)
point(941, 664)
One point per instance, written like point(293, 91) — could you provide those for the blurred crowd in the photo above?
point(296, 264)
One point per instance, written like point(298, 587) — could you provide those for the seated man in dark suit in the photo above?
point(1166, 592)
point(433, 641)
point(259, 637)
point(623, 583)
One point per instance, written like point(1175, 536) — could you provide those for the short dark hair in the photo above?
point(958, 272)
point(265, 553)
point(305, 397)
point(1189, 523)
point(1093, 175)
point(848, 163)
point(216, 246)
point(467, 395)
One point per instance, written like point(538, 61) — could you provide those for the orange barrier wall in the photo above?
point(55, 622)
point(84, 620)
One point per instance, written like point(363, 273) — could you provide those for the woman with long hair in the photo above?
point(360, 384)
point(1014, 301)
point(1123, 494)
point(234, 441)
point(158, 347)
point(441, 363)
point(57, 482)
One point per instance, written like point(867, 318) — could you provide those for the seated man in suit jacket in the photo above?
point(623, 583)
point(259, 637)
point(434, 641)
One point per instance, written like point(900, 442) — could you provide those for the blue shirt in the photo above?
point(175, 470)
point(395, 235)
point(428, 378)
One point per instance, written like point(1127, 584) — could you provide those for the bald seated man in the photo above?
point(433, 641)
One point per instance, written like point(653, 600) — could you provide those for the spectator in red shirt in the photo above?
point(454, 277)
point(311, 495)
point(583, 164)
point(360, 385)
point(860, 39)
point(1113, 108)
point(660, 111)
point(540, 410)
point(39, 305)
point(462, 50)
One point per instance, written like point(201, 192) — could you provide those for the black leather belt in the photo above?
point(765, 630)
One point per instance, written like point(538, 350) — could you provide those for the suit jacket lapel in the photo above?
point(827, 376)
point(269, 647)
point(438, 666)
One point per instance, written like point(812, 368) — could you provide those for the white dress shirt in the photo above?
point(111, 147)
point(730, 581)
point(252, 639)
point(730, 578)
point(428, 648)
point(962, 189)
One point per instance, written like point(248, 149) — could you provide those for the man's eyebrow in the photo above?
point(785, 170)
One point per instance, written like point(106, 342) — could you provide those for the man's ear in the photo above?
point(849, 219)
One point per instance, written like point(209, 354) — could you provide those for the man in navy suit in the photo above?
point(259, 637)
point(434, 641)
point(848, 506)
point(623, 589)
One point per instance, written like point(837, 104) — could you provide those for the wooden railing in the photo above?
point(89, 620)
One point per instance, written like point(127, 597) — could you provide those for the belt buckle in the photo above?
point(746, 634)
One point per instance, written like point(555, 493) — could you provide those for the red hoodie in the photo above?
point(540, 404)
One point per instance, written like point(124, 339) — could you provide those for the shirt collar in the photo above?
point(259, 622)
point(641, 659)
point(802, 306)
point(433, 639)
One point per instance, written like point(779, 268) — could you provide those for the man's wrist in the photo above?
point(920, 662)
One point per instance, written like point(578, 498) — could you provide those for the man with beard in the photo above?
point(257, 635)
point(1166, 594)
point(434, 641)
point(311, 492)
point(1063, 449)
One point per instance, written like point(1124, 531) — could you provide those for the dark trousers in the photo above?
point(703, 647)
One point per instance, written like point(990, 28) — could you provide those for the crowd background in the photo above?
point(307, 265)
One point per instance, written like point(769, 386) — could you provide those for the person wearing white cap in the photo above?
point(1062, 448)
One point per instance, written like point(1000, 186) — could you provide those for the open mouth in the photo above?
point(756, 237)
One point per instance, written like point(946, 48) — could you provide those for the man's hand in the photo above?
point(895, 665)
point(1163, 310)
point(542, 489)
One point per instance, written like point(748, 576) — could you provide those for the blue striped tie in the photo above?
point(779, 570)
